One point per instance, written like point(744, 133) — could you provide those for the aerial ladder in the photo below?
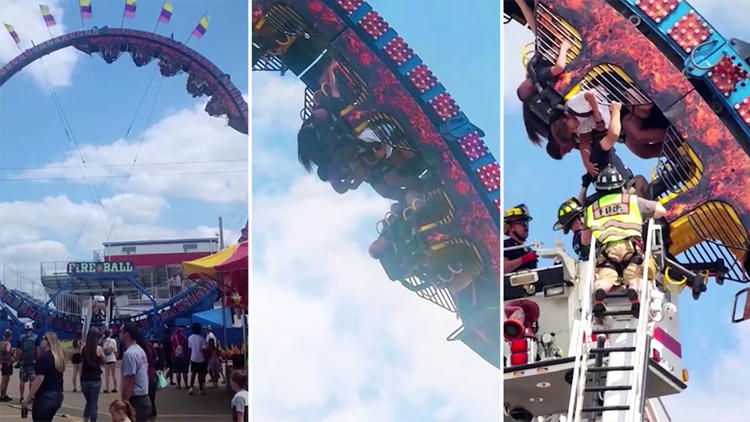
point(612, 389)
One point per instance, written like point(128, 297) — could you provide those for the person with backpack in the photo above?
point(28, 345)
point(180, 357)
point(110, 349)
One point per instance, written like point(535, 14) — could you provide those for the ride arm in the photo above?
point(528, 14)
point(562, 58)
point(613, 132)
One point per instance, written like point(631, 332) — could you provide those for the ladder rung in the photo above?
point(609, 368)
point(599, 409)
point(616, 295)
point(613, 349)
point(613, 331)
point(607, 388)
point(616, 313)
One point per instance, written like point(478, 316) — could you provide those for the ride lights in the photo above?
point(657, 9)
point(726, 75)
point(444, 106)
point(398, 50)
point(422, 78)
point(521, 351)
point(496, 201)
point(689, 31)
point(743, 109)
point(349, 6)
point(473, 147)
point(374, 24)
point(489, 175)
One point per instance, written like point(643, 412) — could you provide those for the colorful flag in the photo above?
point(201, 28)
point(12, 32)
point(245, 234)
point(49, 20)
point(129, 9)
point(85, 6)
point(166, 12)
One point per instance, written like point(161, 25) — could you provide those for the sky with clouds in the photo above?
point(334, 340)
point(190, 168)
point(714, 349)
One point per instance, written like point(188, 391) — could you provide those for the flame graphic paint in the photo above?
point(609, 38)
point(388, 95)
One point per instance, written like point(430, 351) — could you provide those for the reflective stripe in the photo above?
point(614, 217)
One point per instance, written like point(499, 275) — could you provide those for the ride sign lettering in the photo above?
point(100, 267)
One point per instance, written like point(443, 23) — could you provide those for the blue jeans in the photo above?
point(46, 406)
point(90, 390)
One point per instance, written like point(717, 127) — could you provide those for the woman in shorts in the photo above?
point(6, 365)
point(109, 347)
point(76, 358)
point(180, 359)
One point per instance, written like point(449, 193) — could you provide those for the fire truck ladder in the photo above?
point(617, 383)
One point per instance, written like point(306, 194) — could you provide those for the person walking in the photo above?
point(109, 346)
point(180, 358)
point(28, 346)
point(47, 388)
point(76, 358)
point(6, 365)
point(134, 371)
point(92, 362)
point(198, 364)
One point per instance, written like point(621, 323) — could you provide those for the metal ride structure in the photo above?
point(204, 78)
point(451, 258)
point(661, 53)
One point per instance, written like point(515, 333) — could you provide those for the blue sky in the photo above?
point(358, 346)
point(44, 195)
point(710, 341)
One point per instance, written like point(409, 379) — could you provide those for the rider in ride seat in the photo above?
point(645, 128)
point(616, 220)
point(516, 227)
point(570, 218)
point(546, 74)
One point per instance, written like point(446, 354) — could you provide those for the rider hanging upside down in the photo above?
point(547, 74)
point(616, 220)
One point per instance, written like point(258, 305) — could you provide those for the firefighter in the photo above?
point(516, 227)
point(615, 220)
point(570, 218)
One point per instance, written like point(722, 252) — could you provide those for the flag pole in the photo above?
point(157, 26)
point(122, 23)
point(83, 23)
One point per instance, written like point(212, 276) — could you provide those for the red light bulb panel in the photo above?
point(522, 351)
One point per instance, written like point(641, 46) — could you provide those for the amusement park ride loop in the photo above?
point(560, 362)
point(204, 79)
point(451, 258)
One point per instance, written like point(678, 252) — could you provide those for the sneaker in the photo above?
point(105, 391)
point(190, 392)
point(635, 308)
point(599, 296)
point(5, 399)
point(114, 390)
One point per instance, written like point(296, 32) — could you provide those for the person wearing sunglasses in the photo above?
point(47, 388)
point(516, 227)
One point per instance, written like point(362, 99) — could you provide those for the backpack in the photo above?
point(178, 351)
point(109, 347)
point(28, 349)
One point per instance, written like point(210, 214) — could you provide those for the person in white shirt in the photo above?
point(240, 399)
point(198, 364)
point(210, 335)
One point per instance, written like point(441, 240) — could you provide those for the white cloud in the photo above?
point(721, 393)
point(330, 329)
point(26, 17)
point(199, 144)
